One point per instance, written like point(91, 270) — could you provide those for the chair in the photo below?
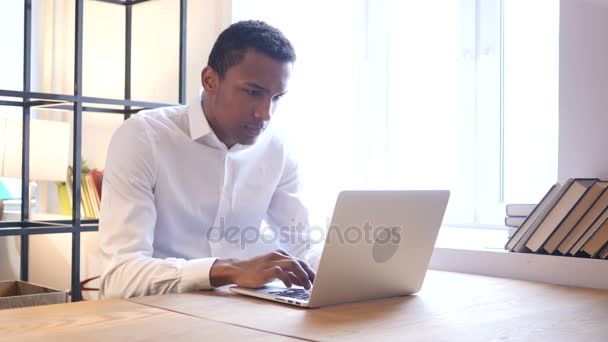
point(84, 287)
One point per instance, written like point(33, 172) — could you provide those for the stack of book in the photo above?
point(570, 220)
point(516, 215)
point(90, 193)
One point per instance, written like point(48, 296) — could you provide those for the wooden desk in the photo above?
point(116, 320)
point(451, 306)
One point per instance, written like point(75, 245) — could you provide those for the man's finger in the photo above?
point(294, 279)
point(282, 251)
point(311, 273)
point(278, 254)
point(292, 265)
point(277, 272)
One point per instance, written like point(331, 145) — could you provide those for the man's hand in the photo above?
point(256, 272)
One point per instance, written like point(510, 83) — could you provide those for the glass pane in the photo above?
point(430, 141)
point(10, 161)
point(97, 131)
point(10, 254)
point(155, 46)
point(104, 50)
point(48, 156)
point(52, 64)
point(53, 186)
point(90, 264)
point(55, 250)
point(443, 123)
point(11, 40)
point(531, 93)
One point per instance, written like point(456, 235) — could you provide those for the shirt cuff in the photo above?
point(195, 275)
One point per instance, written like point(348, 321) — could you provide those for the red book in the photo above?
point(97, 180)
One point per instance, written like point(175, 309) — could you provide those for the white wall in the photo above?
point(583, 103)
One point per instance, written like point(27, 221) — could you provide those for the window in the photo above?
point(458, 95)
point(531, 90)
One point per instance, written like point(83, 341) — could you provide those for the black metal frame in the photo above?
point(25, 227)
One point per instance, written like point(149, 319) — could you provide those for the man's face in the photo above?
point(240, 105)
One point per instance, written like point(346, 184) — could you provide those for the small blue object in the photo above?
point(4, 194)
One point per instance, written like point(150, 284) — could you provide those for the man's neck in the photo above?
point(210, 115)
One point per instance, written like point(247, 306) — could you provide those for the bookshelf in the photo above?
point(77, 103)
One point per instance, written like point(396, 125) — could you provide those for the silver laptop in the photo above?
point(378, 245)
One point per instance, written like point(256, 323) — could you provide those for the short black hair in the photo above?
point(230, 47)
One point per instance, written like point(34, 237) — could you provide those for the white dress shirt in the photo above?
point(175, 199)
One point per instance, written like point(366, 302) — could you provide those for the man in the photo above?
point(186, 188)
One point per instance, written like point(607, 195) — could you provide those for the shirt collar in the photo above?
point(199, 126)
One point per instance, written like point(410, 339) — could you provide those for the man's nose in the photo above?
point(264, 111)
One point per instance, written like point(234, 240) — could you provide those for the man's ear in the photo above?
point(210, 80)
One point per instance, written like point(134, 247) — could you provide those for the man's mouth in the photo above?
point(253, 130)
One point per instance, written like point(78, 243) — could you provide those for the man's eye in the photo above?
point(277, 98)
point(254, 93)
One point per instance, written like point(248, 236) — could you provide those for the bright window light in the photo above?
point(418, 94)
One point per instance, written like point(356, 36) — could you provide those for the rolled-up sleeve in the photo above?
point(127, 223)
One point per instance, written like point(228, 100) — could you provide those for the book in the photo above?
point(575, 216)
point(600, 205)
point(592, 247)
point(558, 213)
point(96, 191)
point(529, 223)
point(522, 210)
point(97, 176)
point(90, 200)
point(65, 203)
point(4, 194)
point(604, 253)
point(514, 221)
point(511, 231)
point(90, 196)
point(589, 233)
point(90, 191)
point(93, 197)
point(69, 186)
point(84, 200)
point(10, 189)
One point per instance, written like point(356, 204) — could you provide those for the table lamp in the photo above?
point(49, 149)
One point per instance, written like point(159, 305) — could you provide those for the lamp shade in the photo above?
point(49, 149)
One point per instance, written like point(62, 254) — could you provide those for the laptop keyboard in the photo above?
point(300, 294)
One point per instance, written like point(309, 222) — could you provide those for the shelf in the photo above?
point(45, 224)
point(66, 102)
point(481, 251)
point(552, 269)
point(77, 103)
point(47, 228)
point(124, 2)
